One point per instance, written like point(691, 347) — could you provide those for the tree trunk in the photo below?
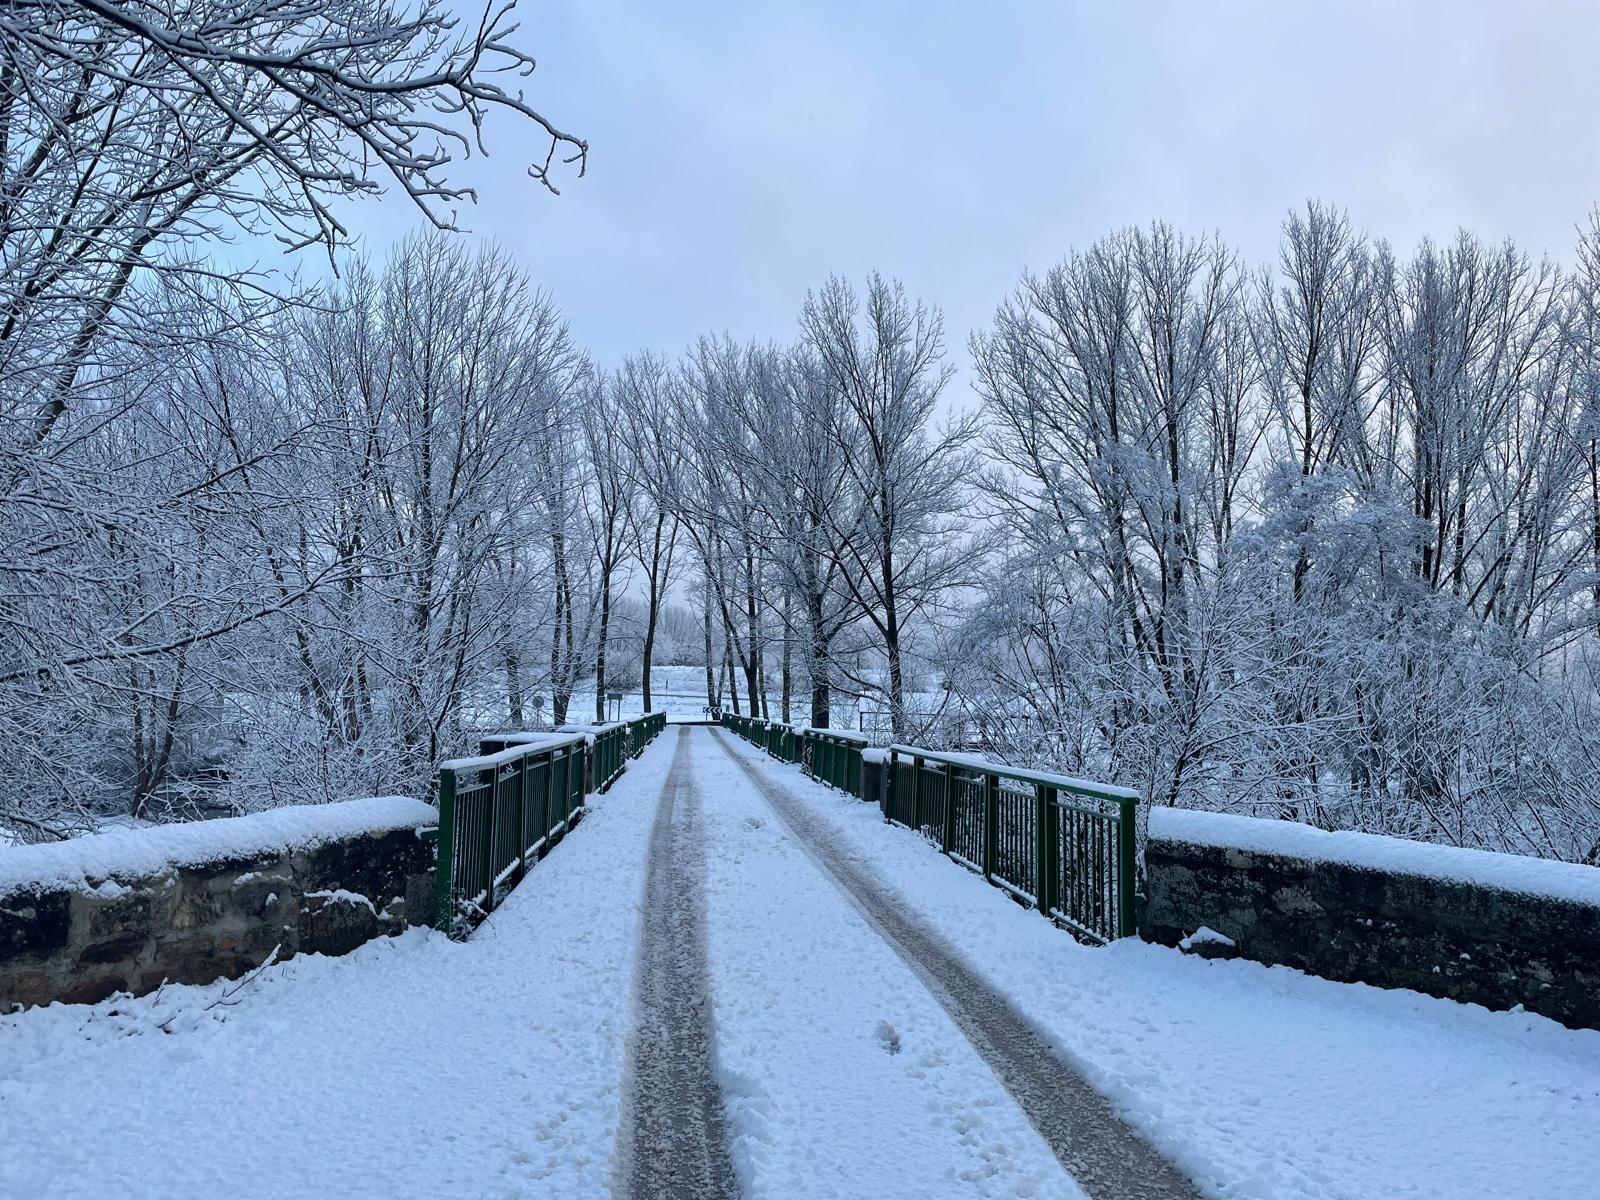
point(788, 653)
point(600, 651)
point(817, 661)
point(651, 617)
point(712, 698)
point(891, 649)
point(752, 666)
point(514, 686)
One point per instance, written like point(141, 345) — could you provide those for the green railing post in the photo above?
point(522, 819)
point(565, 794)
point(489, 867)
point(1127, 918)
point(991, 823)
point(916, 793)
point(445, 864)
point(947, 832)
point(1043, 803)
point(888, 784)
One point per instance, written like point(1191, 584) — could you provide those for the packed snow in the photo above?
point(843, 1075)
point(1510, 872)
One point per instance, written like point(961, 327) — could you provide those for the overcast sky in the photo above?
point(742, 151)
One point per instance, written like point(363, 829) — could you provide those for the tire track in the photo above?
point(1106, 1158)
point(672, 1139)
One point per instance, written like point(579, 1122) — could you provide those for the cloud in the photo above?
point(740, 152)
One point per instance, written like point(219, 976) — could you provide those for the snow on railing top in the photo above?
point(844, 735)
point(526, 743)
point(136, 853)
point(1066, 783)
point(534, 738)
point(1375, 852)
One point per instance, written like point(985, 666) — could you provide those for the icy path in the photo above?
point(737, 968)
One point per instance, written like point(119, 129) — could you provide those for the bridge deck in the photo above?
point(815, 1005)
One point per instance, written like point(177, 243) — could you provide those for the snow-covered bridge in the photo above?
point(733, 981)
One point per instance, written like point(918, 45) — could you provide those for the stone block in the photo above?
point(93, 989)
point(34, 925)
point(24, 989)
point(125, 947)
point(335, 925)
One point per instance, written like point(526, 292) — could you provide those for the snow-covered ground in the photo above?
point(842, 1075)
point(416, 1066)
point(1263, 1082)
point(413, 1067)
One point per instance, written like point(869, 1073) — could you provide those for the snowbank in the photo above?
point(131, 853)
point(1483, 868)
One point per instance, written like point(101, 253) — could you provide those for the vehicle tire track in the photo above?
point(672, 1141)
point(1106, 1158)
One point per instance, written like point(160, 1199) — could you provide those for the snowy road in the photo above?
point(673, 1145)
point(1102, 1155)
point(732, 981)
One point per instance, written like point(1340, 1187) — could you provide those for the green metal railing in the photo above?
point(830, 756)
point(643, 730)
point(781, 742)
point(834, 758)
point(785, 742)
point(1066, 846)
point(512, 803)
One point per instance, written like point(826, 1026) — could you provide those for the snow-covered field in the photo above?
point(416, 1066)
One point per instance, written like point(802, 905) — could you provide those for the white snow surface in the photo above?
point(1510, 872)
point(414, 1066)
point(1265, 1083)
point(842, 1075)
point(495, 1067)
point(135, 853)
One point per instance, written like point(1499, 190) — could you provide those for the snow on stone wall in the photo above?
point(1493, 929)
point(125, 910)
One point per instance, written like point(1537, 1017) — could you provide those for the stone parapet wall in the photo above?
point(1489, 929)
point(129, 910)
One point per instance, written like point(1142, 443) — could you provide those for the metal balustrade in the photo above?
point(1065, 846)
point(516, 799)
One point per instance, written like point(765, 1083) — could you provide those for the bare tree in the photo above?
point(905, 543)
point(653, 404)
